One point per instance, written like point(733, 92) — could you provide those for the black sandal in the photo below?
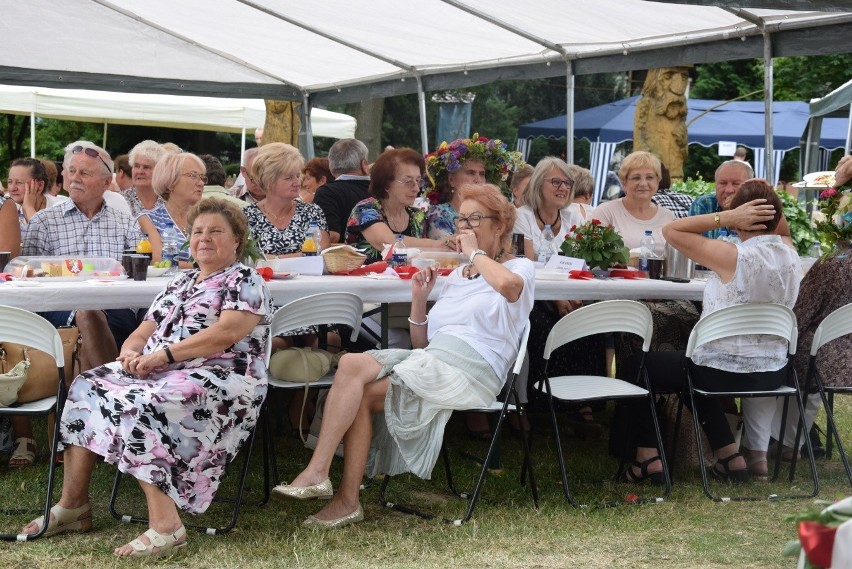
point(726, 473)
point(582, 421)
point(627, 475)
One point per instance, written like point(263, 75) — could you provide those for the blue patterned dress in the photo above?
point(178, 428)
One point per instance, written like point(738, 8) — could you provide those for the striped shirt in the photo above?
point(65, 230)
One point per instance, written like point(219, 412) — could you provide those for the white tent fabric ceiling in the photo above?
point(348, 50)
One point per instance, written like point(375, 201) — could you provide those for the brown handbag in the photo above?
point(42, 375)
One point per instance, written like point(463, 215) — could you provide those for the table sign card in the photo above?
point(560, 263)
point(727, 148)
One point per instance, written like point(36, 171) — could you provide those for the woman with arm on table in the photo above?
point(463, 350)
point(395, 180)
point(181, 398)
point(760, 269)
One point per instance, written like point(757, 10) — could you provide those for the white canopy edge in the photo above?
point(176, 111)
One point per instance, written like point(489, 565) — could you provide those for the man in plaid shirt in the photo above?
point(675, 202)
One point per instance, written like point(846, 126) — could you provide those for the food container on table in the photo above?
point(445, 259)
point(65, 268)
point(342, 259)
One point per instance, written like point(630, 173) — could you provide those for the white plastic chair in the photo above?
point(833, 326)
point(24, 327)
point(754, 318)
point(315, 310)
point(501, 409)
point(608, 316)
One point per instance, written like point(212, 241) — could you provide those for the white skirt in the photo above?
point(425, 387)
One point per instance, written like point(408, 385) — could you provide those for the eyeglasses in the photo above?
point(91, 152)
point(195, 177)
point(558, 182)
point(411, 182)
point(473, 220)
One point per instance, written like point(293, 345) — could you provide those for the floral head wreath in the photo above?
point(498, 160)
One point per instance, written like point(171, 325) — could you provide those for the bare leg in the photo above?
point(162, 515)
point(98, 345)
point(76, 477)
point(354, 374)
point(356, 443)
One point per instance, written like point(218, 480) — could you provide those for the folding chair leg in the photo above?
point(383, 501)
point(565, 489)
point(828, 405)
point(237, 501)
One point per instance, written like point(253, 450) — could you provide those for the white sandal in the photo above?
point(22, 456)
point(166, 542)
point(65, 520)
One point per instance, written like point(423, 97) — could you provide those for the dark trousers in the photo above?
point(667, 374)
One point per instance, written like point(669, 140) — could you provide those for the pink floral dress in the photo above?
point(178, 428)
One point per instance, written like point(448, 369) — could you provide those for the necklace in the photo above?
point(552, 225)
point(467, 268)
point(396, 232)
point(274, 217)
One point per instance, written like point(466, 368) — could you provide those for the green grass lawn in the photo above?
point(687, 530)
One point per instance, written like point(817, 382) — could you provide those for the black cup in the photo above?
point(655, 268)
point(127, 263)
point(140, 267)
point(5, 257)
point(518, 244)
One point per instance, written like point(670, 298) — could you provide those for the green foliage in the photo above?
point(801, 230)
point(728, 79)
point(806, 78)
point(694, 187)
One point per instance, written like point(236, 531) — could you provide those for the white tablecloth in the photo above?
point(46, 295)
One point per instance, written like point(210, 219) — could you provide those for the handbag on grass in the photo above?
point(42, 373)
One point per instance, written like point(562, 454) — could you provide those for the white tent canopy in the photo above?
point(197, 113)
point(349, 50)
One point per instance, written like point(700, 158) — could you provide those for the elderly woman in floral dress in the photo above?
point(183, 395)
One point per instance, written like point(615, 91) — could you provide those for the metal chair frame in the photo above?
point(24, 327)
point(746, 319)
point(501, 410)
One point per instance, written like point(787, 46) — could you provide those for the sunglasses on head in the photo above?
point(91, 152)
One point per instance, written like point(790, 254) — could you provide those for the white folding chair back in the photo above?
point(24, 327)
point(835, 325)
point(768, 319)
point(316, 309)
point(599, 318)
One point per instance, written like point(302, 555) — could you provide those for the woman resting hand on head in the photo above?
point(462, 352)
point(183, 395)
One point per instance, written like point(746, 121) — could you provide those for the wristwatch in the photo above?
point(476, 252)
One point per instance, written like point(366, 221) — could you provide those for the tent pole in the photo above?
point(242, 146)
point(306, 126)
point(768, 96)
point(848, 133)
point(569, 110)
point(106, 125)
point(421, 107)
point(32, 134)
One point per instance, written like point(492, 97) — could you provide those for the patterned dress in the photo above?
point(441, 220)
point(369, 211)
point(178, 428)
point(275, 241)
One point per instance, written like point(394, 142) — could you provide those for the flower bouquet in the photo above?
point(818, 530)
point(599, 245)
point(836, 223)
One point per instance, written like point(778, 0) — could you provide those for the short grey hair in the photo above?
point(346, 155)
point(532, 193)
point(249, 156)
point(149, 149)
point(744, 165)
point(106, 162)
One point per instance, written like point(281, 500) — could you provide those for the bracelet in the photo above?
point(169, 355)
point(413, 323)
point(476, 252)
point(718, 219)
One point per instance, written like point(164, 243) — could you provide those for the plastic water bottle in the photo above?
point(171, 248)
point(400, 252)
point(545, 245)
point(728, 236)
point(315, 233)
point(647, 250)
point(734, 237)
point(815, 250)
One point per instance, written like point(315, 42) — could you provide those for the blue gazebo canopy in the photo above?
point(739, 121)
